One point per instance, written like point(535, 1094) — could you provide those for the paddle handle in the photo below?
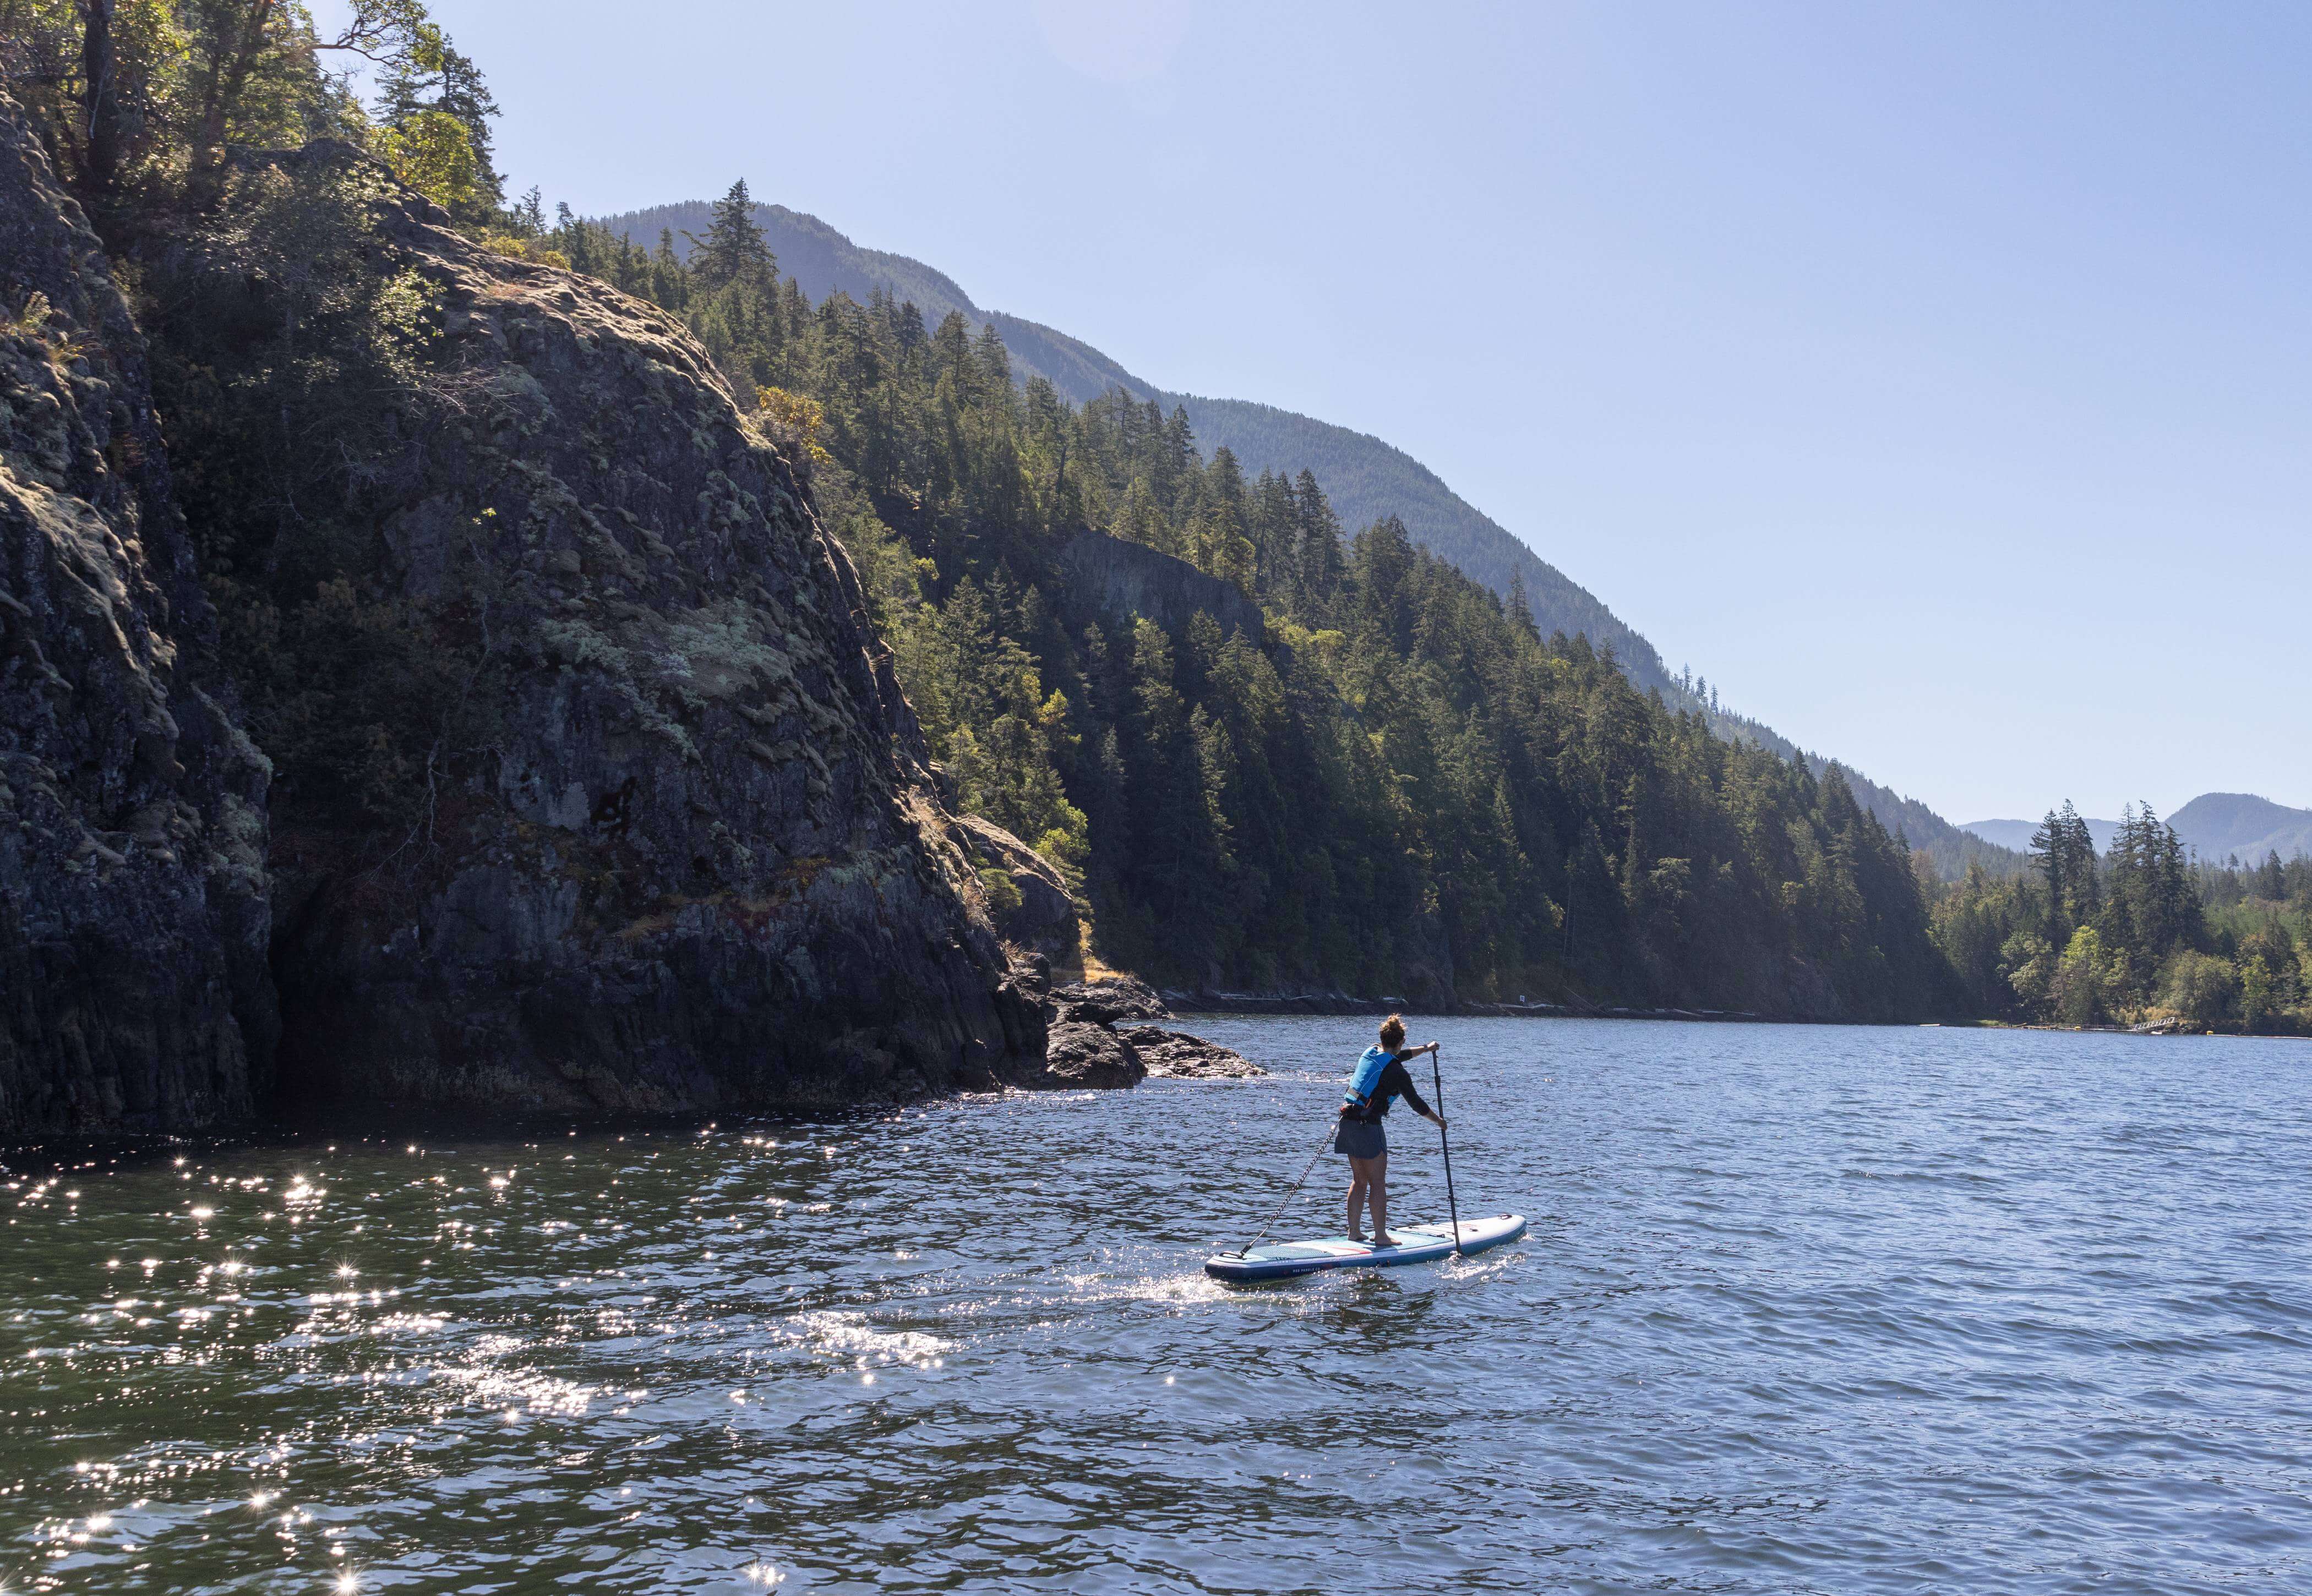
point(1437, 1080)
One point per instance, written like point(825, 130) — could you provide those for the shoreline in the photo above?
point(1321, 1004)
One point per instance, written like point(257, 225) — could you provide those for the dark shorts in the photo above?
point(1361, 1140)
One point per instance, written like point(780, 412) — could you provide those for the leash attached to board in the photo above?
point(1437, 1080)
point(1322, 1148)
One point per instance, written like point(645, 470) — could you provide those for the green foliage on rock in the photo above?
point(289, 367)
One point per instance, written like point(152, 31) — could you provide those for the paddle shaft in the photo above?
point(1437, 1080)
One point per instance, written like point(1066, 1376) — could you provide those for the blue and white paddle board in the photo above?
point(1417, 1243)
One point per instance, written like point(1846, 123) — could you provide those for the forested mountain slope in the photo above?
point(1953, 849)
point(1365, 479)
point(1273, 757)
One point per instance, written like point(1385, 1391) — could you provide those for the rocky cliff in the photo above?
point(597, 791)
point(133, 912)
point(1114, 579)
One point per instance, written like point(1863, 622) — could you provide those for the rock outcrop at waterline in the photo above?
point(1080, 1055)
point(133, 914)
point(1099, 1035)
point(1178, 1056)
point(674, 843)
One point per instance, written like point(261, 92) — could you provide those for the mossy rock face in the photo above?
point(642, 821)
point(133, 915)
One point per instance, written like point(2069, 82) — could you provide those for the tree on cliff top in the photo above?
point(435, 111)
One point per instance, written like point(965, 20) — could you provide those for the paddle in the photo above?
point(1437, 1080)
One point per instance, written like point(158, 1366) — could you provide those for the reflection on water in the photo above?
point(1803, 1309)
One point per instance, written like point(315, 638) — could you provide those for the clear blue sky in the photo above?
point(1937, 379)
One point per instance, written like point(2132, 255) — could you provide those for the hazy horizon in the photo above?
point(1933, 382)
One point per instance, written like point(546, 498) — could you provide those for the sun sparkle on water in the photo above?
point(1720, 1215)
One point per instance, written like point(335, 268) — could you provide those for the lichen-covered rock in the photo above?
point(1107, 1000)
point(675, 844)
point(133, 916)
point(1085, 1055)
point(1177, 1054)
point(1040, 915)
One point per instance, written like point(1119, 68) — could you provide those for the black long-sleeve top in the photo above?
point(1395, 1082)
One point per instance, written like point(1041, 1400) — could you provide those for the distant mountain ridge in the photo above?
point(2220, 824)
point(1367, 478)
point(2016, 833)
point(2216, 826)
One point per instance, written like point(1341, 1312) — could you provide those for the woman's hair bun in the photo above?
point(1392, 1032)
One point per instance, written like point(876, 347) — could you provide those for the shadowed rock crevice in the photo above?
point(133, 916)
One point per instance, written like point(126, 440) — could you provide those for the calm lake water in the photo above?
point(1802, 1309)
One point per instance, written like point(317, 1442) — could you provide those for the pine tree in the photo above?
point(1320, 561)
point(1520, 610)
point(2050, 850)
point(1177, 459)
point(994, 360)
point(2271, 880)
point(735, 249)
point(669, 283)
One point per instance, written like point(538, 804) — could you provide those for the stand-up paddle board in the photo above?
point(1417, 1243)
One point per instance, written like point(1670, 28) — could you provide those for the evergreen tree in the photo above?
point(433, 78)
point(735, 249)
point(2271, 877)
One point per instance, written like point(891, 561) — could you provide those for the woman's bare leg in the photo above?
point(1360, 1176)
point(1378, 1179)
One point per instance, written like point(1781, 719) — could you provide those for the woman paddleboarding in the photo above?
point(1379, 1079)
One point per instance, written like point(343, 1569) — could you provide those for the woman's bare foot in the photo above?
point(1384, 1241)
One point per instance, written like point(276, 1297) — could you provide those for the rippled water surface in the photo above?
point(1802, 1309)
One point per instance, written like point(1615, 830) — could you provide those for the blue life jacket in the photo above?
point(1366, 1082)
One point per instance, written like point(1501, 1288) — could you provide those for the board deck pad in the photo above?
point(1417, 1243)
